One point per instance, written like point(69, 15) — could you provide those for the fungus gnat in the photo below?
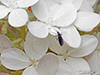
point(60, 39)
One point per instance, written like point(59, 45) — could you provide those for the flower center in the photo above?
point(12, 4)
point(50, 24)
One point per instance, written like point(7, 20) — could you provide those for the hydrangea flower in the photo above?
point(94, 58)
point(18, 16)
point(72, 55)
point(49, 67)
point(62, 16)
point(16, 59)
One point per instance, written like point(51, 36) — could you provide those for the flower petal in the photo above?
point(3, 11)
point(92, 2)
point(35, 47)
point(5, 2)
point(86, 21)
point(63, 15)
point(4, 42)
point(71, 36)
point(64, 68)
point(38, 29)
point(18, 18)
point(40, 10)
point(30, 71)
point(88, 45)
point(77, 3)
point(48, 67)
point(55, 46)
point(86, 6)
point(79, 66)
point(14, 59)
point(94, 62)
point(26, 3)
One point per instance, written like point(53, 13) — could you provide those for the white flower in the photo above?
point(18, 16)
point(62, 16)
point(72, 55)
point(49, 65)
point(94, 59)
point(16, 59)
point(87, 46)
point(51, 14)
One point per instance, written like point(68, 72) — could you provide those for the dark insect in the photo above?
point(60, 39)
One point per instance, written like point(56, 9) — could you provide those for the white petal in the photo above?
point(40, 10)
point(5, 2)
point(55, 46)
point(92, 2)
point(4, 42)
point(26, 3)
point(48, 65)
point(52, 4)
point(30, 71)
point(94, 62)
point(88, 45)
point(64, 68)
point(3, 11)
point(79, 66)
point(38, 29)
point(35, 47)
point(86, 21)
point(64, 16)
point(86, 6)
point(77, 3)
point(18, 18)
point(71, 36)
point(14, 59)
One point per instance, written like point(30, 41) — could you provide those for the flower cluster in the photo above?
point(55, 43)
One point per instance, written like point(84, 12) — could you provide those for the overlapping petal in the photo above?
point(4, 42)
point(88, 45)
point(48, 67)
point(77, 3)
point(63, 15)
point(86, 6)
point(40, 10)
point(38, 29)
point(14, 59)
point(3, 11)
point(35, 47)
point(18, 17)
point(92, 2)
point(71, 36)
point(86, 21)
point(64, 68)
point(7, 2)
point(30, 71)
point(54, 45)
point(79, 66)
point(94, 62)
point(26, 3)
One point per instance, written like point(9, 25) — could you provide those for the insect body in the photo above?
point(60, 39)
